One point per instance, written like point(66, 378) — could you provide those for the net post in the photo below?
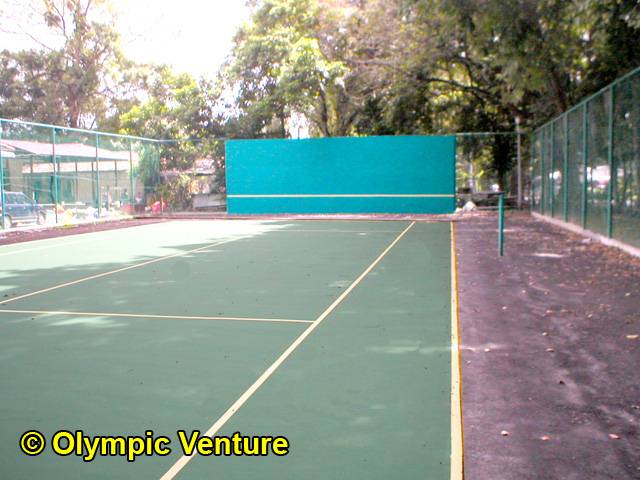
point(2, 212)
point(611, 166)
point(585, 162)
point(98, 175)
point(553, 167)
point(565, 171)
point(519, 163)
point(54, 157)
point(543, 147)
point(501, 224)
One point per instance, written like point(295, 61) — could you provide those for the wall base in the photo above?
point(610, 242)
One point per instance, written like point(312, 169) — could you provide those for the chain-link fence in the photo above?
point(57, 175)
point(586, 163)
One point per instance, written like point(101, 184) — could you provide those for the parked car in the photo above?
point(18, 208)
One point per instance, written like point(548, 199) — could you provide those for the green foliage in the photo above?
point(177, 192)
point(286, 63)
point(149, 166)
point(74, 85)
point(179, 108)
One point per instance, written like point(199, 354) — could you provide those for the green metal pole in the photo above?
point(55, 173)
point(2, 212)
point(519, 162)
point(565, 171)
point(553, 166)
point(501, 224)
point(532, 155)
point(98, 174)
point(131, 179)
point(585, 162)
point(611, 167)
point(543, 147)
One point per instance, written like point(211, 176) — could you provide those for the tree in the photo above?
point(286, 62)
point(180, 108)
point(76, 83)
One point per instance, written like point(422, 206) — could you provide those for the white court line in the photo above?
point(343, 195)
point(182, 461)
point(111, 272)
point(153, 316)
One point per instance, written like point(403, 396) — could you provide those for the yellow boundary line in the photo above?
point(457, 435)
point(123, 269)
point(152, 316)
point(343, 195)
point(182, 461)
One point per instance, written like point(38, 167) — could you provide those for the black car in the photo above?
point(18, 208)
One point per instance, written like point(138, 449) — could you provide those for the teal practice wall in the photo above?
point(399, 174)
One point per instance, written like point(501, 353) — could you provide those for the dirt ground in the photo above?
point(550, 353)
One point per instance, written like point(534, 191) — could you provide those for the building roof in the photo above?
point(78, 150)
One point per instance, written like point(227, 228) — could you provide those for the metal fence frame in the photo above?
point(547, 164)
point(57, 175)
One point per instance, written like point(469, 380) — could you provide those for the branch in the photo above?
point(63, 21)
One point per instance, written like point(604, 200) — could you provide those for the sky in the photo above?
point(193, 36)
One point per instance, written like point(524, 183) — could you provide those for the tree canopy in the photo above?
point(342, 67)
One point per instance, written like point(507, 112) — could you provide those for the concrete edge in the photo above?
point(610, 242)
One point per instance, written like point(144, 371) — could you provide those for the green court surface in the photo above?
point(339, 335)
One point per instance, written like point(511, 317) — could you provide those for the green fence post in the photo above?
point(2, 212)
point(98, 174)
point(532, 156)
point(54, 157)
point(519, 161)
point(501, 224)
point(543, 147)
point(611, 166)
point(585, 162)
point(565, 171)
point(552, 151)
point(131, 196)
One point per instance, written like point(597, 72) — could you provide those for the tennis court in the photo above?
point(339, 335)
